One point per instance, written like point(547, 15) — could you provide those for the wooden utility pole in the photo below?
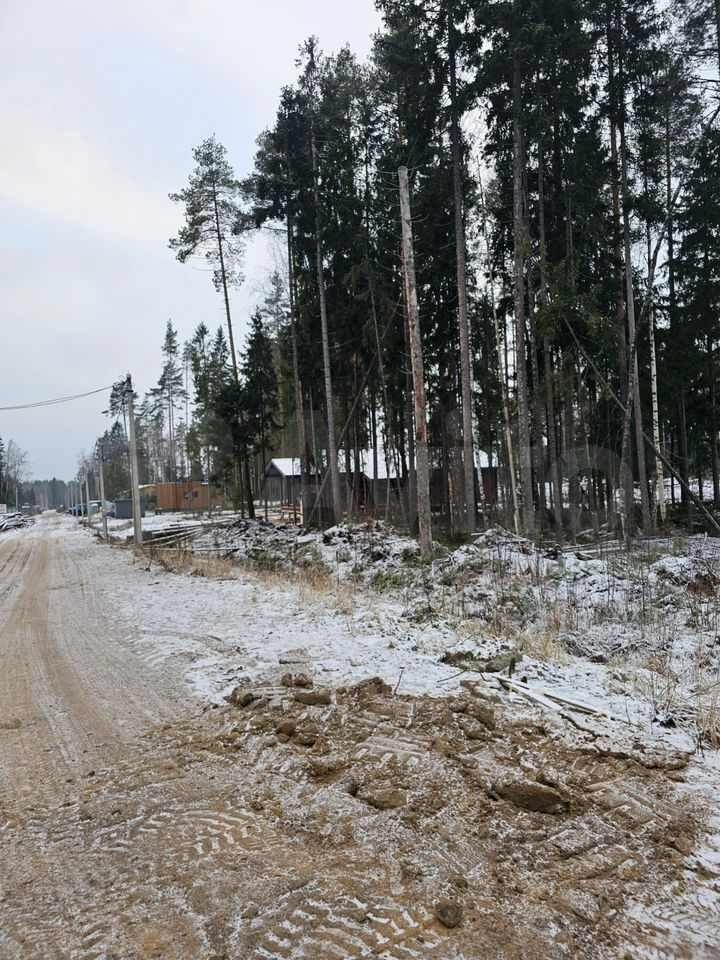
point(101, 471)
point(134, 480)
point(87, 499)
point(418, 372)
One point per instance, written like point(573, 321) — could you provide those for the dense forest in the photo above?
point(533, 338)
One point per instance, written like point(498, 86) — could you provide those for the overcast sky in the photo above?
point(102, 104)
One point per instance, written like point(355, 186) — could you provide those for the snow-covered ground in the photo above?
point(617, 654)
point(634, 639)
point(635, 636)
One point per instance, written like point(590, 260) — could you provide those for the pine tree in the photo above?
point(212, 216)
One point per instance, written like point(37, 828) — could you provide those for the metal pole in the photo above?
point(137, 516)
point(103, 512)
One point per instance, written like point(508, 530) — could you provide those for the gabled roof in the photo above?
point(286, 466)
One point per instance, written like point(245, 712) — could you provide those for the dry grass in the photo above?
point(313, 582)
point(707, 716)
point(544, 645)
point(178, 560)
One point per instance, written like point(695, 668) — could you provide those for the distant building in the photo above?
point(282, 481)
point(182, 495)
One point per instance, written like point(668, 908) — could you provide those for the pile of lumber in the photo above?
point(11, 521)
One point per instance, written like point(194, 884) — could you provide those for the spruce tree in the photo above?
point(260, 388)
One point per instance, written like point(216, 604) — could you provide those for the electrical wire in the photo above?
point(49, 403)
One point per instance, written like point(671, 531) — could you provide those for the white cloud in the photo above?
point(102, 104)
point(66, 175)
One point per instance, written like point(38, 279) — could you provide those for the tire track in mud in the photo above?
point(223, 836)
point(15, 556)
point(348, 928)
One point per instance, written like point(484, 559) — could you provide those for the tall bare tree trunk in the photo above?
point(520, 242)
point(332, 446)
point(500, 346)
point(223, 277)
point(659, 472)
point(633, 399)
point(299, 408)
point(423, 466)
point(389, 448)
point(460, 258)
point(714, 459)
point(555, 474)
point(626, 478)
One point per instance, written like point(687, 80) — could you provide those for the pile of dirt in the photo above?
point(301, 821)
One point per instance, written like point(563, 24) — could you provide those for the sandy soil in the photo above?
point(136, 822)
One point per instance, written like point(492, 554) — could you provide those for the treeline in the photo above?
point(13, 470)
point(200, 420)
point(17, 490)
point(564, 170)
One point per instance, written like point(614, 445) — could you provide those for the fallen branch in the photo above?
point(556, 704)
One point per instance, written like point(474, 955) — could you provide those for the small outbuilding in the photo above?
point(282, 481)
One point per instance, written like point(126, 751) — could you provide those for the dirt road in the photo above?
point(301, 822)
point(76, 699)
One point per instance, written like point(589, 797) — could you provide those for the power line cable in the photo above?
point(49, 403)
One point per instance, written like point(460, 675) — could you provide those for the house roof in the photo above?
point(290, 466)
point(287, 466)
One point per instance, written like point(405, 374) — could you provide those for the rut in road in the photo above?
point(75, 695)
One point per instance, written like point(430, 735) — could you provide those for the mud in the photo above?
point(362, 824)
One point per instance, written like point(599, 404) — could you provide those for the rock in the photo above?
point(306, 735)
point(502, 662)
point(529, 795)
point(682, 844)
point(286, 727)
point(482, 712)
point(241, 697)
point(469, 660)
point(326, 766)
point(382, 797)
point(409, 870)
point(313, 698)
point(295, 680)
point(473, 730)
point(449, 913)
point(444, 747)
point(372, 686)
